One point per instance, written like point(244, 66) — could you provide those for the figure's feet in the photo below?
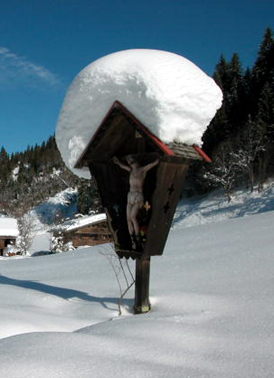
point(136, 243)
point(133, 243)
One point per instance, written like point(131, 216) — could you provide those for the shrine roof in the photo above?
point(117, 134)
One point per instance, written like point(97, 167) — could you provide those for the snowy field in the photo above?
point(211, 294)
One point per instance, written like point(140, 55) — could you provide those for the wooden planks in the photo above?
point(170, 181)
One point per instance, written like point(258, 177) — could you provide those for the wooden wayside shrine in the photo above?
point(119, 135)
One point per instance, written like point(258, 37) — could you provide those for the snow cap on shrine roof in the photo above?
point(167, 93)
point(120, 132)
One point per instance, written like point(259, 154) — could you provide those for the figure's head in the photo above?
point(131, 159)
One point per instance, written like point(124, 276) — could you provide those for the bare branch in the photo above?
point(118, 266)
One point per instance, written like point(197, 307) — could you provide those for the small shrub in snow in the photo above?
point(26, 226)
point(58, 244)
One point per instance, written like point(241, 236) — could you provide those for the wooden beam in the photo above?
point(142, 274)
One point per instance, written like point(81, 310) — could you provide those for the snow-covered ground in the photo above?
point(214, 207)
point(211, 294)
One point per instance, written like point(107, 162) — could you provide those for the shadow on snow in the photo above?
point(67, 294)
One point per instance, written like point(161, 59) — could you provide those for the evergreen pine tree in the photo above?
point(265, 123)
point(263, 70)
point(229, 119)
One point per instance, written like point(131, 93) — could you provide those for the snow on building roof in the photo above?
point(169, 94)
point(77, 223)
point(8, 227)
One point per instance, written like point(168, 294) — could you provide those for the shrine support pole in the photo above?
point(142, 304)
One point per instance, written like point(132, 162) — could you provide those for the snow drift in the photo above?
point(212, 310)
point(169, 94)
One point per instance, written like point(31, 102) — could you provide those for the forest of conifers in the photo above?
point(240, 140)
point(31, 177)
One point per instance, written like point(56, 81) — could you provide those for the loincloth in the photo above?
point(135, 197)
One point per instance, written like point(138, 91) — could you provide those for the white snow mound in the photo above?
point(169, 94)
point(8, 227)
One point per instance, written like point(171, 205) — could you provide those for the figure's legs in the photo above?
point(129, 222)
point(133, 225)
point(133, 217)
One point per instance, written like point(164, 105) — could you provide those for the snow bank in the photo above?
point(41, 242)
point(169, 94)
point(212, 310)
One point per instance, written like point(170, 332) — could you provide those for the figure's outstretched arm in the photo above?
point(121, 165)
point(149, 166)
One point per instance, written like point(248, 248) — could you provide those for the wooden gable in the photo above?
point(121, 133)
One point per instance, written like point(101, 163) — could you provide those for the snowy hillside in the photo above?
point(214, 207)
point(212, 306)
point(61, 206)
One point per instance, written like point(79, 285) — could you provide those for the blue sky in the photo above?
point(45, 43)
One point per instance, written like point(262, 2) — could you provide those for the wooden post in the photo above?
point(142, 304)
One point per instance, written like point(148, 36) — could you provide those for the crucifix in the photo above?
point(135, 197)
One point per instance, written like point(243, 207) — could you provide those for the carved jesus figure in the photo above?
point(135, 199)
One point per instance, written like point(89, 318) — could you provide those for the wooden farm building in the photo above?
point(86, 231)
point(8, 234)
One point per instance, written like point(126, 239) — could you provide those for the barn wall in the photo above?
point(89, 235)
point(4, 241)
